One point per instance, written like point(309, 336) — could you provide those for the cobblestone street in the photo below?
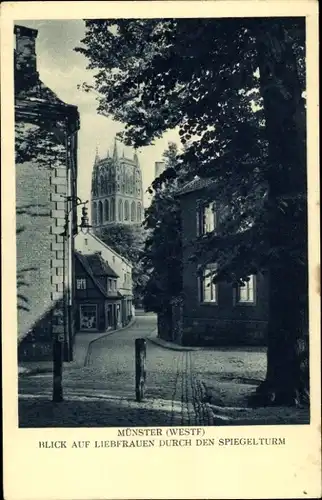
point(102, 392)
point(183, 387)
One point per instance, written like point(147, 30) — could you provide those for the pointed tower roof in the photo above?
point(97, 158)
point(115, 153)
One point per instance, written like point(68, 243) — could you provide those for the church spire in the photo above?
point(135, 158)
point(97, 158)
point(115, 153)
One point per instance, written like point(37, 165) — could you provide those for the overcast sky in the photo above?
point(62, 69)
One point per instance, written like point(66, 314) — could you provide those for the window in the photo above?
point(133, 211)
point(94, 218)
point(109, 285)
point(126, 210)
point(112, 209)
point(81, 284)
point(246, 293)
point(88, 317)
point(107, 210)
point(206, 219)
point(121, 210)
point(114, 285)
point(208, 289)
point(138, 212)
point(86, 241)
point(100, 213)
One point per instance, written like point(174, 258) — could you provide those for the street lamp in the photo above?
point(84, 225)
point(71, 203)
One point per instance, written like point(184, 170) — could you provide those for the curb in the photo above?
point(103, 336)
point(169, 345)
point(25, 372)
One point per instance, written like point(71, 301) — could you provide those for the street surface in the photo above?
point(103, 392)
point(184, 387)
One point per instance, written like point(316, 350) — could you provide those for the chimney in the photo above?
point(25, 54)
point(159, 168)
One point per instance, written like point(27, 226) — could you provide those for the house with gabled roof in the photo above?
point(87, 244)
point(98, 300)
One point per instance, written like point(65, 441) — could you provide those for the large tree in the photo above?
point(162, 258)
point(234, 89)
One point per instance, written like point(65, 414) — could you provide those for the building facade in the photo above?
point(87, 244)
point(216, 314)
point(98, 301)
point(46, 176)
point(117, 193)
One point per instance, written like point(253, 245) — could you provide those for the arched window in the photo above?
point(100, 213)
point(121, 210)
point(132, 183)
point(94, 215)
point(133, 211)
point(107, 211)
point(126, 210)
point(139, 213)
point(101, 184)
point(112, 209)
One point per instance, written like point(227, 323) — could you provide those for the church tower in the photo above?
point(117, 192)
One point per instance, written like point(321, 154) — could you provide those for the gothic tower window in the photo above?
point(139, 212)
point(133, 211)
point(101, 186)
point(107, 211)
point(133, 184)
point(100, 213)
point(121, 210)
point(112, 209)
point(126, 210)
point(94, 217)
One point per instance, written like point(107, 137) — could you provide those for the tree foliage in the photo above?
point(162, 252)
point(128, 241)
point(34, 142)
point(234, 89)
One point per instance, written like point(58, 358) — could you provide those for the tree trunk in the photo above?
point(287, 378)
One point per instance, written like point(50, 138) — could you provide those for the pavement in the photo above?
point(102, 393)
point(80, 350)
point(183, 387)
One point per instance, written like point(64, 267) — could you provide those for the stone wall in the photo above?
point(40, 257)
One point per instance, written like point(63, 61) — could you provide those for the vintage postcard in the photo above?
point(160, 230)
